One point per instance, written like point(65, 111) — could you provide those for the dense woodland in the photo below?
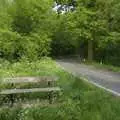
point(32, 29)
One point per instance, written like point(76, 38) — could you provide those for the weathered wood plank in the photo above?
point(30, 79)
point(19, 91)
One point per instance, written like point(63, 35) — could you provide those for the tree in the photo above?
point(32, 21)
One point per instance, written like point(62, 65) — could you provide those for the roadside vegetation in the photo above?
point(78, 100)
point(103, 66)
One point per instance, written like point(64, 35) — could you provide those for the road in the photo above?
point(107, 80)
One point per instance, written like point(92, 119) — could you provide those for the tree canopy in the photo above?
point(32, 29)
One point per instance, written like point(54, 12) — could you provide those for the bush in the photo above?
point(8, 44)
point(13, 46)
point(27, 31)
point(35, 46)
point(43, 43)
point(108, 50)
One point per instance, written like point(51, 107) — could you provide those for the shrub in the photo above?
point(8, 44)
point(35, 46)
point(13, 46)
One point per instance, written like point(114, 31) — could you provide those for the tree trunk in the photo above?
point(90, 50)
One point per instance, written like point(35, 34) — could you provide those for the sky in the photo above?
point(63, 8)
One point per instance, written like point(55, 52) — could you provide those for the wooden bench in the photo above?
point(20, 80)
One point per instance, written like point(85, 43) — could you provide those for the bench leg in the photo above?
point(50, 97)
point(2, 99)
point(12, 99)
point(50, 94)
point(5, 99)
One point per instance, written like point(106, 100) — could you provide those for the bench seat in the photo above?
point(18, 80)
point(20, 91)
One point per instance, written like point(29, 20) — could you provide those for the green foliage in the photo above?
point(30, 16)
point(36, 31)
point(95, 21)
point(38, 45)
point(14, 46)
point(8, 44)
point(5, 20)
point(108, 49)
point(103, 66)
point(25, 29)
point(64, 40)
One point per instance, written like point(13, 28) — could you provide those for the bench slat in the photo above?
point(30, 79)
point(17, 91)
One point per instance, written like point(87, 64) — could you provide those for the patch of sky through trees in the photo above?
point(63, 8)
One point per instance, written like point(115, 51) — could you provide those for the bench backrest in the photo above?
point(29, 79)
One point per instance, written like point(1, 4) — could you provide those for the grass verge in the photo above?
point(103, 66)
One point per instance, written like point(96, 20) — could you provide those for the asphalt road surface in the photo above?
point(107, 80)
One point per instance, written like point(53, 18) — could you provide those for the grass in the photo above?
point(78, 101)
point(104, 66)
